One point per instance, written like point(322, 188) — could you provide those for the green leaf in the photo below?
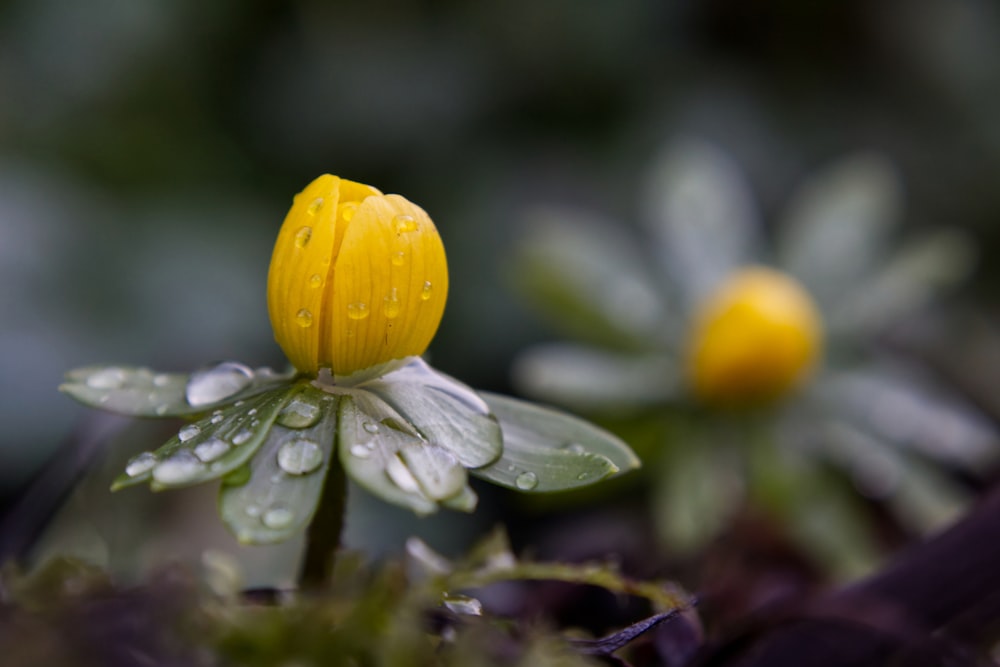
point(547, 450)
point(591, 379)
point(287, 474)
point(385, 455)
point(142, 392)
point(444, 411)
point(210, 447)
point(591, 281)
point(700, 209)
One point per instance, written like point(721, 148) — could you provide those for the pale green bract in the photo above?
point(411, 436)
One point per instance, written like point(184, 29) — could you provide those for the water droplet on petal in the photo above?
point(242, 437)
point(348, 210)
point(390, 307)
point(425, 293)
point(357, 311)
point(211, 449)
point(107, 378)
point(299, 413)
point(302, 237)
point(300, 456)
point(213, 384)
point(140, 464)
point(361, 451)
point(188, 432)
point(574, 448)
point(315, 280)
point(180, 468)
point(304, 318)
point(278, 518)
point(371, 427)
point(404, 224)
point(315, 206)
point(398, 258)
point(526, 481)
point(401, 475)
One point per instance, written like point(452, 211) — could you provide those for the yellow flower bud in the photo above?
point(357, 278)
point(754, 339)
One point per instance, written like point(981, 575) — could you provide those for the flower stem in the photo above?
point(323, 535)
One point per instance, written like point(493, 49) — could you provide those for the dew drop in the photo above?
point(315, 206)
point(526, 481)
point(216, 417)
point(583, 475)
point(574, 448)
point(278, 518)
point(390, 307)
point(211, 449)
point(361, 451)
point(251, 412)
point(215, 383)
point(180, 468)
point(315, 280)
point(357, 311)
point(107, 378)
point(242, 437)
point(188, 432)
point(304, 318)
point(425, 293)
point(371, 427)
point(140, 464)
point(302, 237)
point(161, 380)
point(299, 413)
point(162, 409)
point(348, 210)
point(300, 456)
point(404, 224)
point(252, 510)
point(398, 258)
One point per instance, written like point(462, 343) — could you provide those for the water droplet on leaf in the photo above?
point(140, 464)
point(370, 427)
point(526, 481)
point(188, 432)
point(278, 518)
point(180, 468)
point(216, 417)
point(300, 456)
point(161, 380)
point(213, 384)
point(299, 413)
point(106, 378)
point(242, 436)
point(211, 449)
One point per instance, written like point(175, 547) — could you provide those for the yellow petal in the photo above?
point(390, 284)
point(302, 264)
point(754, 339)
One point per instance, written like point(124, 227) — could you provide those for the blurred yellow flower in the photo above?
point(756, 337)
point(357, 278)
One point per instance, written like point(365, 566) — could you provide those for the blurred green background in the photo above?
point(149, 150)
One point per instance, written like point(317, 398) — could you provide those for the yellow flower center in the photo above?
point(754, 339)
point(357, 278)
